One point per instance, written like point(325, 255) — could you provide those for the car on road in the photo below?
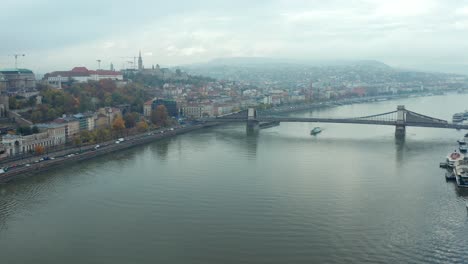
point(117, 142)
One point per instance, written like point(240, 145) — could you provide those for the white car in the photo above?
point(117, 142)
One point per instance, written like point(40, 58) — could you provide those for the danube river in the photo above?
point(350, 194)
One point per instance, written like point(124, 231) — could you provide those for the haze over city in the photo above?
point(420, 34)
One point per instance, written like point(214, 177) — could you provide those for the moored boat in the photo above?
point(463, 148)
point(449, 175)
point(457, 118)
point(460, 170)
point(454, 157)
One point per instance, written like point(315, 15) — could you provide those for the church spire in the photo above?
point(140, 62)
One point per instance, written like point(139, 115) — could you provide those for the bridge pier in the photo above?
point(252, 123)
point(253, 126)
point(400, 131)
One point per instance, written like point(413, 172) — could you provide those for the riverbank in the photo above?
point(302, 107)
point(89, 152)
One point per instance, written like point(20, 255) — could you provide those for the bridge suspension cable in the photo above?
point(388, 116)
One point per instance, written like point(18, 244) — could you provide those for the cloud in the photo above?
point(181, 32)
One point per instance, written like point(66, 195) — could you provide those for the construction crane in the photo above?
point(16, 59)
point(134, 60)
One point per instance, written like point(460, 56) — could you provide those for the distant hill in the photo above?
point(265, 61)
point(293, 73)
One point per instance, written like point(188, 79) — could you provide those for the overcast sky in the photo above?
point(60, 34)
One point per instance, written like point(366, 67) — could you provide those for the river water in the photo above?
point(351, 194)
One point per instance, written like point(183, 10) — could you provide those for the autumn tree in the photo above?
point(159, 116)
point(39, 150)
point(118, 125)
point(142, 126)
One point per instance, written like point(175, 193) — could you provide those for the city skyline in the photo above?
point(413, 34)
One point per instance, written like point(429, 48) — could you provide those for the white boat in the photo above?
point(315, 131)
point(453, 157)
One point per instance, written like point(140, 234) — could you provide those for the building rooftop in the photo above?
point(48, 125)
point(13, 70)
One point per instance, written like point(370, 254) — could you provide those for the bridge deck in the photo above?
point(345, 121)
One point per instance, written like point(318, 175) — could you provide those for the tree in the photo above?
point(103, 134)
point(39, 150)
point(35, 130)
point(36, 116)
point(159, 116)
point(24, 130)
point(76, 140)
point(12, 102)
point(118, 124)
point(142, 126)
point(86, 136)
point(130, 120)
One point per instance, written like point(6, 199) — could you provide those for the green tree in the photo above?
point(24, 130)
point(86, 136)
point(130, 120)
point(13, 103)
point(35, 130)
point(103, 134)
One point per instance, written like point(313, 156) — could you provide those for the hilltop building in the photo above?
point(17, 79)
point(81, 74)
point(161, 73)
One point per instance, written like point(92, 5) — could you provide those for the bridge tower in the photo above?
point(252, 123)
point(400, 129)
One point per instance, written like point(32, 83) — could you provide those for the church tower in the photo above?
point(140, 62)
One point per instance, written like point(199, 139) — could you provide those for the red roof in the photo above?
point(80, 69)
